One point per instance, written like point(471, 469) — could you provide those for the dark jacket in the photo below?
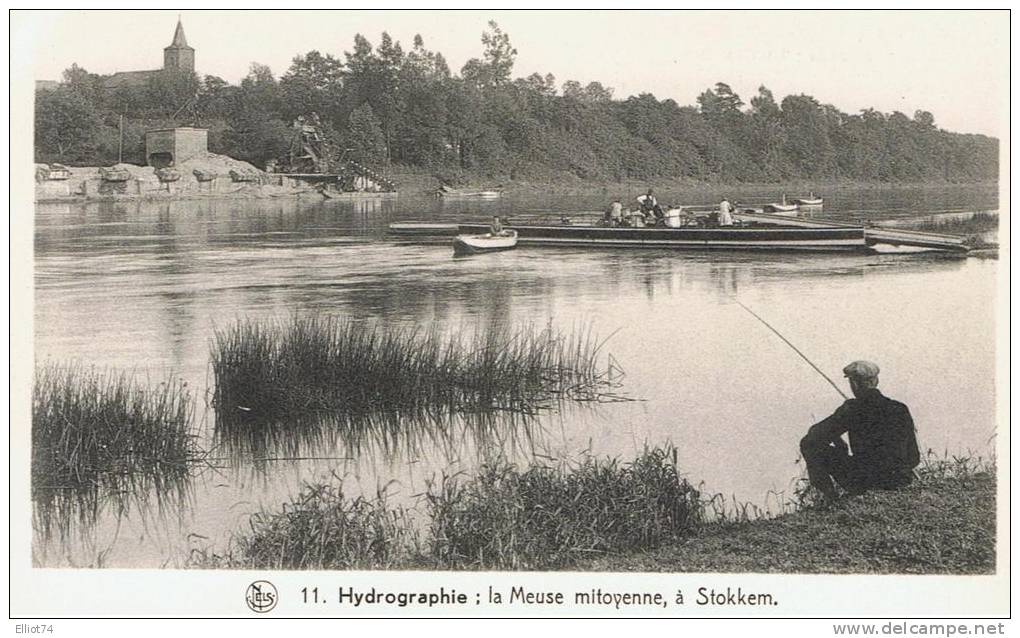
point(881, 433)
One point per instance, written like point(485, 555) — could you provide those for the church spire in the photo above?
point(180, 42)
point(179, 56)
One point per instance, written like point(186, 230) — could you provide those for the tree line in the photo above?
point(386, 106)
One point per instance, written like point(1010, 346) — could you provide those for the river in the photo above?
point(141, 286)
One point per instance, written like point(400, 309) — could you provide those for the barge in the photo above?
point(573, 233)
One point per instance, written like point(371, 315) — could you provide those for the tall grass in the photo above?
point(954, 466)
point(976, 223)
point(546, 516)
point(504, 518)
point(322, 528)
point(270, 369)
point(99, 433)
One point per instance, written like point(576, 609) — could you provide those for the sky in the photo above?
point(953, 64)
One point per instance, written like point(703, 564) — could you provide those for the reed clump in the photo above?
point(552, 516)
point(322, 528)
point(87, 424)
point(976, 223)
point(101, 436)
point(273, 369)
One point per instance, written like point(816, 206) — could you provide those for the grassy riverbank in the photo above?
point(603, 515)
point(942, 525)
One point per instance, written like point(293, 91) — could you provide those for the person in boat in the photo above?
point(647, 202)
point(496, 227)
point(883, 445)
point(637, 218)
point(658, 215)
point(616, 213)
point(725, 212)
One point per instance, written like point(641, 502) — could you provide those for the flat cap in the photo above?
point(861, 370)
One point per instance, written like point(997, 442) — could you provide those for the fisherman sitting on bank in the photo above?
point(882, 440)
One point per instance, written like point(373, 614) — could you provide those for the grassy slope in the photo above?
point(945, 526)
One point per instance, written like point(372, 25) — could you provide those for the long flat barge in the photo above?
point(756, 237)
point(733, 238)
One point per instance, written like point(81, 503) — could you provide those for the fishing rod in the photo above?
point(795, 349)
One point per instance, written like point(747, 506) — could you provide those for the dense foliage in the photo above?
point(386, 105)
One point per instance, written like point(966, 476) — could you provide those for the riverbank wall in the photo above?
point(209, 176)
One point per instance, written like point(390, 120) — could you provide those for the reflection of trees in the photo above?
point(91, 228)
point(727, 274)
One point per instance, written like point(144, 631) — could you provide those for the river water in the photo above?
point(141, 286)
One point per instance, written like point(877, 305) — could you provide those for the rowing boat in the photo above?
point(472, 244)
point(476, 194)
point(780, 209)
point(809, 201)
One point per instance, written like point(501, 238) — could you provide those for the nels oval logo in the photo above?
point(261, 596)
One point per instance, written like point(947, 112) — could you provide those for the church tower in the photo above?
point(179, 56)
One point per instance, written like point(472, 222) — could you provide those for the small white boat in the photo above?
point(484, 243)
point(810, 200)
point(783, 208)
point(780, 209)
point(445, 191)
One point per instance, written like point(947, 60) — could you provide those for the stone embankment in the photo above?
point(208, 176)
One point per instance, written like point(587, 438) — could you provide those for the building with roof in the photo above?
point(173, 146)
point(176, 57)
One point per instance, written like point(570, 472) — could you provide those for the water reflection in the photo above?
point(391, 435)
point(65, 518)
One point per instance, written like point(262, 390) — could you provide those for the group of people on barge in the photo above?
point(649, 212)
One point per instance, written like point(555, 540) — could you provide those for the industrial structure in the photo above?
point(171, 146)
point(314, 159)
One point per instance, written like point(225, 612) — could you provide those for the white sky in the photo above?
point(954, 64)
